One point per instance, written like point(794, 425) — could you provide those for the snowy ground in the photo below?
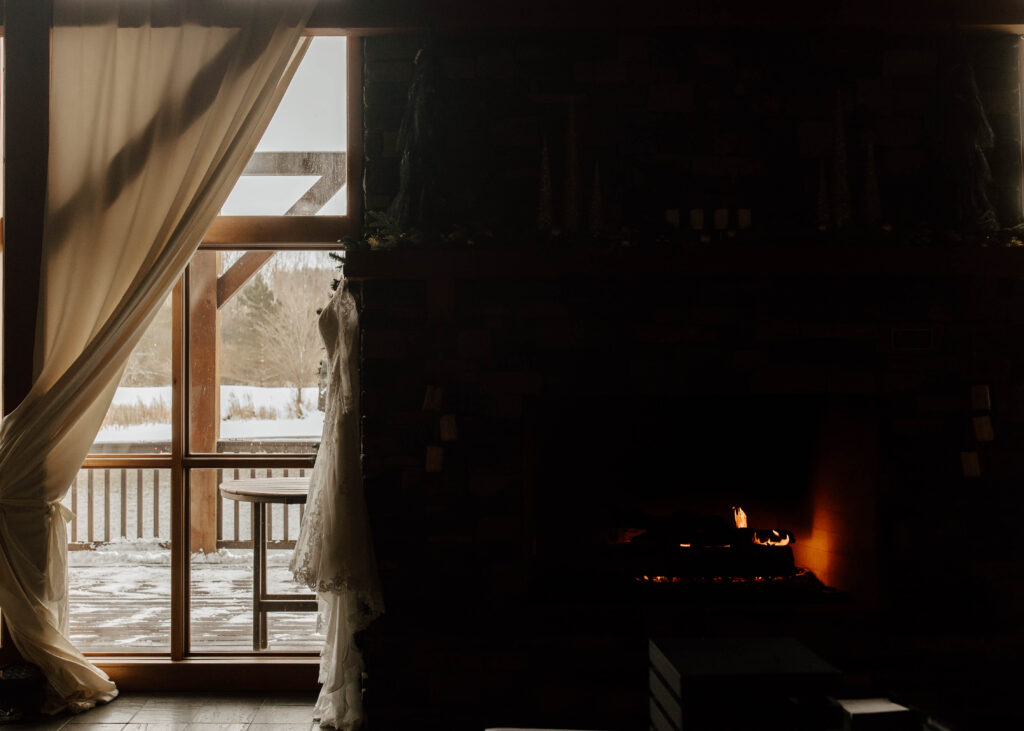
point(120, 590)
point(103, 499)
point(120, 600)
point(276, 401)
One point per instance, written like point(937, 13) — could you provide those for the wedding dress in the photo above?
point(334, 552)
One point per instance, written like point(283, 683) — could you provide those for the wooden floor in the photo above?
point(193, 711)
point(120, 602)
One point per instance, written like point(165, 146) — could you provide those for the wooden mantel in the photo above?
point(694, 261)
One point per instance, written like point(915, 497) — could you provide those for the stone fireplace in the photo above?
point(580, 414)
point(616, 474)
point(526, 403)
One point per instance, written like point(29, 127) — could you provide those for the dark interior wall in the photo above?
point(455, 538)
point(498, 349)
point(888, 360)
point(677, 120)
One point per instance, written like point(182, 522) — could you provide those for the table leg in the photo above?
point(263, 577)
point(258, 557)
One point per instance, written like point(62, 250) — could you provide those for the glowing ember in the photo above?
point(775, 539)
point(739, 516)
point(628, 534)
point(685, 545)
point(799, 574)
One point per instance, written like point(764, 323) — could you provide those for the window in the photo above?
point(223, 386)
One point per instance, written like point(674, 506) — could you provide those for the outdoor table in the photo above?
point(261, 492)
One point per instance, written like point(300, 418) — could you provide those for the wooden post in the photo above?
point(204, 395)
point(26, 129)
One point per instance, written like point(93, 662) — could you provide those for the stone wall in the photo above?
point(465, 643)
point(932, 551)
point(683, 120)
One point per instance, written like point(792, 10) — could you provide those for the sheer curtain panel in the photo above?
point(156, 106)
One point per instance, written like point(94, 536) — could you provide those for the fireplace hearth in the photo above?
point(696, 498)
point(685, 548)
point(690, 558)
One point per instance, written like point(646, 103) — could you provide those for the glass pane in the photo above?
point(119, 560)
point(139, 418)
point(221, 612)
point(299, 167)
point(255, 362)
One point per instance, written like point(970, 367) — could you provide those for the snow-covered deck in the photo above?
point(120, 601)
point(120, 573)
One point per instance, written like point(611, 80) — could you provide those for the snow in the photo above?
point(134, 433)
point(312, 426)
point(120, 591)
point(120, 600)
point(126, 395)
point(137, 553)
point(278, 399)
point(275, 400)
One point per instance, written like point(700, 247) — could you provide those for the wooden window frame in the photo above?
point(30, 21)
point(250, 233)
point(307, 232)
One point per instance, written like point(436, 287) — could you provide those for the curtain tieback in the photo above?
point(51, 506)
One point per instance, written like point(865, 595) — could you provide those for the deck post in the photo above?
point(204, 396)
point(27, 143)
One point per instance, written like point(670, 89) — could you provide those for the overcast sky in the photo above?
point(311, 118)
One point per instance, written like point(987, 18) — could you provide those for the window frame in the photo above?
point(307, 232)
point(250, 233)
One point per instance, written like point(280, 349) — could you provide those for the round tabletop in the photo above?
point(288, 490)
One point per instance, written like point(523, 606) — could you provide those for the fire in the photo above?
point(658, 579)
point(739, 516)
point(800, 573)
point(775, 539)
point(685, 545)
point(627, 535)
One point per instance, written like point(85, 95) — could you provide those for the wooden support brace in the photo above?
point(204, 395)
point(240, 272)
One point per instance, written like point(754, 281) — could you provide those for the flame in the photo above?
point(777, 539)
point(685, 545)
point(739, 516)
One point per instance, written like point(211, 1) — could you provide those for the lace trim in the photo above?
point(302, 568)
point(371, 604)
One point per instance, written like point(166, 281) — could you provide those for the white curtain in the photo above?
point(156, 106)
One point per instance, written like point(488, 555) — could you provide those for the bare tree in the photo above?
point(292, 348)
point(150, 361)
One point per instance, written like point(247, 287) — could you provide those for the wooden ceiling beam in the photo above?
point(649, 14)
point(372, 16)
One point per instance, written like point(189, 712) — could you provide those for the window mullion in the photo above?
point(179, 502)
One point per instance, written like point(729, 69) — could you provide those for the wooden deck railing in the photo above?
point(112, 504)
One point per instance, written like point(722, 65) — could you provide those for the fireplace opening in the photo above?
point(680, 494)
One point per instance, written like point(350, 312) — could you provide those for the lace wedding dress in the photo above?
point(334, 552)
